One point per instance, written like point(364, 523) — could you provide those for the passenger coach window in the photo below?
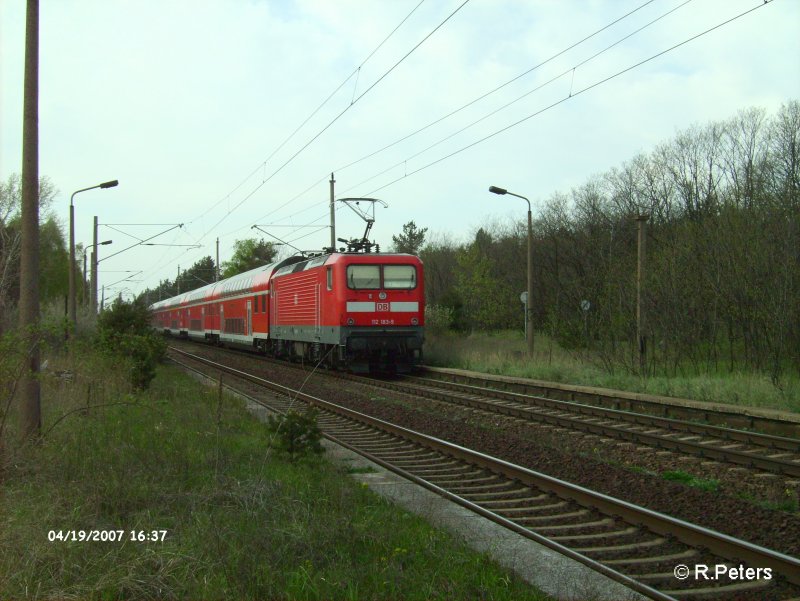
point(364, 277)
point(399, 276)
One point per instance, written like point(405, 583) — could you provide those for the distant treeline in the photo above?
point(722, 274)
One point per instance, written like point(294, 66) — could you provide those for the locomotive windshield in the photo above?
point(368, 277)
point(399, 276)
point(364, 277)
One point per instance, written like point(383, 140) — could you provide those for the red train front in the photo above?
point(361, 310)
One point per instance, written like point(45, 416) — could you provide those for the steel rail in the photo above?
point(691, 534)
point(755, 438)
point(659, 441)
point(494, 517)
point(630, 401)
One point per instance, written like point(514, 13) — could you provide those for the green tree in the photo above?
point(10, 238)
point(53, 262)
point(410, 240)
point(197, 276)
point(249, 254)
point(488, 300)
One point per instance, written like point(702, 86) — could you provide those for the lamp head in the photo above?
point(496, 190)
point(110, 184)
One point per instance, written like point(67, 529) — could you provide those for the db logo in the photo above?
point(382, 306)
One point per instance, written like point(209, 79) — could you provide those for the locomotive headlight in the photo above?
point(414, 321)
point(351, 321)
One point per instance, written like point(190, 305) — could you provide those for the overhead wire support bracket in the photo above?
point(142, 242)
point(256, 227)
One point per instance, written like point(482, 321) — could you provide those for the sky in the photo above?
point(224, 114)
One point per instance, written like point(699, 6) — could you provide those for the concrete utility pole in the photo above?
point(95, 260)
point(333, 217)
point(30, 392)
point(178, 280)
point(216, 265)
point(641, 338)
point(85, 281)
point(94, 268)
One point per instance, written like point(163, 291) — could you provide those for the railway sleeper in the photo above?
point(497, 485)
point(654, 542)
point(499, 502)
point(478, 496)
point(534, 509)
point(411, 455)
point(554, 517)
point(476, 483)
point(455, 471)
point(409, 463)
point(672, 557)
point(601, 523)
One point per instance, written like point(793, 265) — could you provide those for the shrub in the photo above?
point(438, 318)
point(295, 434)
point(124, 331)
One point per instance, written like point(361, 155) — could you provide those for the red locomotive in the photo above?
point(358, 311)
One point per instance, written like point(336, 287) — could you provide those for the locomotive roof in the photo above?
point(334, 257)
point(261, 275)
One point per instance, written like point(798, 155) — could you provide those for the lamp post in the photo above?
point(72, 303)
point(93, 278)
point(529, 299)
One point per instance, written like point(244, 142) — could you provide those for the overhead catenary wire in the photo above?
point(570, 97)
point(498, 88)
point(357, 70)
point(481, 97)
point(570, 70)
point(560, 101)
point(335, 119)
point(450, 114)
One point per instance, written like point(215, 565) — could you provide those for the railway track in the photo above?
point(717, 414)
point(633, 545)
point(775, 454)
point(743, 448)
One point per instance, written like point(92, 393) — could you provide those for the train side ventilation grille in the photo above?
point(234, 325)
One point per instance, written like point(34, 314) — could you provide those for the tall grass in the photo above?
point(505, 353)
point(241, 522)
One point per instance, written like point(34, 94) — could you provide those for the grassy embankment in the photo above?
point(240, 521)
point(504, 353)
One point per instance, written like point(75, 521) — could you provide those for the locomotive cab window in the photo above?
point(364, 277)
point(399, 277)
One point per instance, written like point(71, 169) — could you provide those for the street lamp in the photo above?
point(72, 303)
point(529, 295)
point(93, 278)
